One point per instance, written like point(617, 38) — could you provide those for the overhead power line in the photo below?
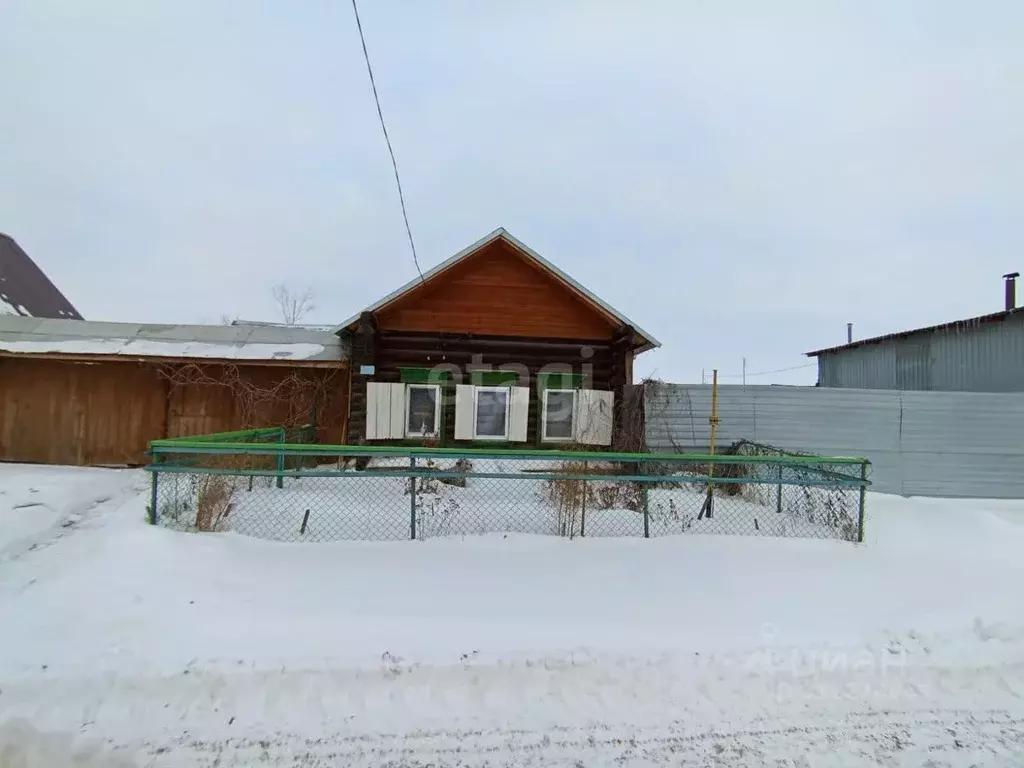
point(765, 373)
point(391, 150)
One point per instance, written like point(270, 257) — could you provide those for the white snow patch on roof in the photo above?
point(146, 348)
point(9, 308)
point(26, 335)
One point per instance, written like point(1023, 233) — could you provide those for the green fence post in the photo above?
point(863, 495)
point(154, 512)
point(412, 498)
point(280, 459)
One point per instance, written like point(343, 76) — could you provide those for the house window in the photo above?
point(422, 410)
point(558, 414)
point(490, 413)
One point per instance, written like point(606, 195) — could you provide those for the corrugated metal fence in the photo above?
point(954, 444)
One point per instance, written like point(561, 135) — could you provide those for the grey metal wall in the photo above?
point(953, 444)
point(985, 358)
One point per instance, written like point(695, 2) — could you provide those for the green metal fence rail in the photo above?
point(263, 483)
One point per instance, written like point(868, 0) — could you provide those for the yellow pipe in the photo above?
point(707, 509)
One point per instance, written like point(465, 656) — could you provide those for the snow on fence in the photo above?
point(301, 492)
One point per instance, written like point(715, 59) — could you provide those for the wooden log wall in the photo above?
point(603, 363)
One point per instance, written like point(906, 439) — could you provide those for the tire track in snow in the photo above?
point(944, 737)
point(637, 711)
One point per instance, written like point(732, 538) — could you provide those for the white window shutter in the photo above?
point(464, 407)
point(594, 417)
point(519, 409)
point(385, 410)
point(374, 392)
point(397, 412)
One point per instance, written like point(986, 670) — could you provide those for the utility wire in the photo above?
point(391, 151)
point(765, 373)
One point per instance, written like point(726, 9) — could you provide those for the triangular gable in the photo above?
point(548, 273)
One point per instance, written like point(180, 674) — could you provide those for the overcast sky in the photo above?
point(740, 178)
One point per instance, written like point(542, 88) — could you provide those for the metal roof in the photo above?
point(26, 289)
point(649, 342)
point(28, 335)
point(956, 325)
point(275, 324)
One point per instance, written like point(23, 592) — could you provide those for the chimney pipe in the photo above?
point(1011, 290)
point(849, 333)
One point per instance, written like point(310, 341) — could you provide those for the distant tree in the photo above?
point(293, 306)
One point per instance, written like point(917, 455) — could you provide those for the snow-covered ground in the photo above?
point(164, 648)
point(374, 508)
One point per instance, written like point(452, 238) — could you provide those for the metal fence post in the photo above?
point(647, 516)
point(154, 510)
point(583, 505)
point(412, 498)
point(778, 493)
point(863, 494)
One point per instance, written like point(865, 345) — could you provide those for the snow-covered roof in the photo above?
point(273, 324)
point(28, 335)
point(648, 341)
point(25, 290)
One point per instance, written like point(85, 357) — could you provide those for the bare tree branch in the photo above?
point(293, 306)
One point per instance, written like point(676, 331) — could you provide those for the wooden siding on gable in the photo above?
point(497, 291)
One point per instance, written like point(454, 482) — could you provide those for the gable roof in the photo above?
point(646, 341)
point(25, 289)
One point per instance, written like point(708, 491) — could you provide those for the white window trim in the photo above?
point(437, 409)
point(508, 408)
point(544, 418)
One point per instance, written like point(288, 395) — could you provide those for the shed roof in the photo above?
point(246, 343)
point(644, 340)
point(956, 325)
point(25, 289)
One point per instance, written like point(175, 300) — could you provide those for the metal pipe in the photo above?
point(849, 333)
point(1011, 290)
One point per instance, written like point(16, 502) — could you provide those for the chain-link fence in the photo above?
point(303, 492)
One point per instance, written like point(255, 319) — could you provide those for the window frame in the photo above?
point(437, 412)
point(508, 412)
point(544, 417)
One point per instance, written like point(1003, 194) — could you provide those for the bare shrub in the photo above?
point(616, 495)
point(213, 495)
point(568, 496)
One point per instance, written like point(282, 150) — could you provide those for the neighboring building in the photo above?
point(493, 346)
point(77, 392)
point(980, 354)
point(25, 290)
